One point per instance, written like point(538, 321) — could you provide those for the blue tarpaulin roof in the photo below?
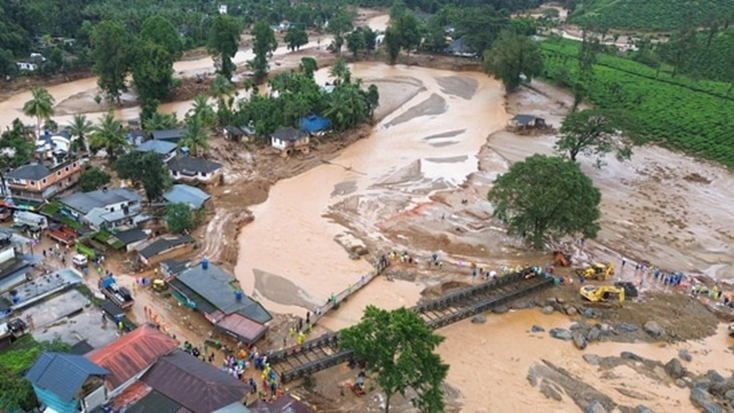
point(314, 123)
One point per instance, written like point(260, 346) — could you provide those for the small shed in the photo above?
point(289, 139)
point(238, 133)
point(527, 122)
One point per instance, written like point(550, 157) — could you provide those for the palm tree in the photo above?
point(196, 136)
point(41, 106)
point(110, 136)
point(203, 110)
point(340, 72)
point(160, 121)
point(81, 128)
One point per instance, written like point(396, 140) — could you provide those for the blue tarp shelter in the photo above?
point(315, 123)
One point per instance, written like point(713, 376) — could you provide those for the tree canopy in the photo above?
point(110, 136)
point(399, 348)
point(263, 45)
point(93, 178)
point(159, 30)
point(511, 57)
point(295, 38)
point(543, 196)
point(224, 40)
point(593, 132)
point(179, 218)
point(111, 51)
point(147, 169)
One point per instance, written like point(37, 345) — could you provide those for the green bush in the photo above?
point(691, 116)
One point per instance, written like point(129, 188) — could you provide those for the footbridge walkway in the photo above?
point(324, 352)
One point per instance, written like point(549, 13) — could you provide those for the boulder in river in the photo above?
point(579, 340)
point(594, 334)
point(595, 407)
point(703, 399)
point(479, 319)
point(500, 309)
point(729, 396)
point(674, 369)
point(548, 310)
point(630, 356)
point(685, 355)
point(592, 359)
point(561, 334)
point(714, 376)
point(653, 329)
point(537, 329)
point(644, 409)
point(630, 328)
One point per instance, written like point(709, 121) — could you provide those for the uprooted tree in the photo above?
point(399, 348)
point(546, 195)
point(594, 132)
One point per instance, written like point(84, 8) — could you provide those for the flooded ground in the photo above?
point(293, 240)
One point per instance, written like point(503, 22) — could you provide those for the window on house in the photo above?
point(68, 179)
point(66, 169)
point(203, 173)
point(44, 180)
point(58, 173)
point(74, 165)
point(33, 183)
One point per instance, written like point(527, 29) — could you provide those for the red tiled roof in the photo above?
point(132, 353)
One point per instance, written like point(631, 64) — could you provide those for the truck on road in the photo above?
point(121, 296)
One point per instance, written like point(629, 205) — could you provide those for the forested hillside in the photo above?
point(649, 15)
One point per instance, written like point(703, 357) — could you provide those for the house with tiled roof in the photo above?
point(131, 355)
point(67, 383)
point(195, 385)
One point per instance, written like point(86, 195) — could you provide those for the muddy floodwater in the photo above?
point(289, 236)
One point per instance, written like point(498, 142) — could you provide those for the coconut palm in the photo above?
point(203, 110)
point(81, 127)
point(340, 72)
point(110, 136)
point(160, 121)
point(41, 106)
point(196, 136)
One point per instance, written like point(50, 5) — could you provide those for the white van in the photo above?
point(80, 260)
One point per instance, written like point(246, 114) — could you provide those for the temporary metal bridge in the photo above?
point(324, 352)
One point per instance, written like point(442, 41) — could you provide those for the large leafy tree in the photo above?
point(295, 38)
point(340, 24)
point(594, 132)
point(545, 195)
point(111, 52)
point(179, 218)
point(152, 71)
point(81, 127)
point(40, 106)
point(160, 30)
point(399, 348)
point(406, 33)
point(110, 136)
point(223, 42)
point(263, 45)
point(93, 178)
point(356, 42)
point(511, 57)
point(147, 169)
point(21, 148)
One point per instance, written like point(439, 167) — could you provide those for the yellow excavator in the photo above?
point(602, 293)
point(598, 271)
